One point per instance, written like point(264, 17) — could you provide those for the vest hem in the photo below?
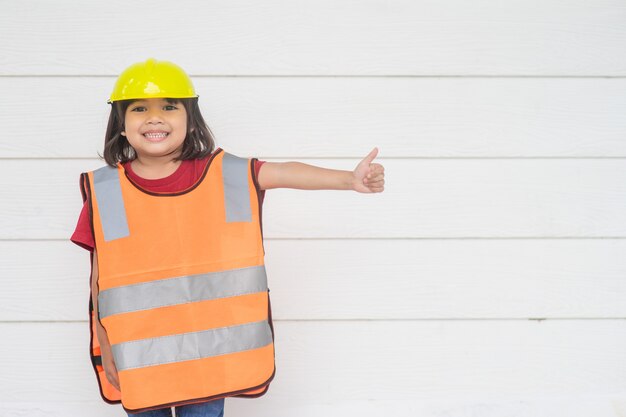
point(209, 398)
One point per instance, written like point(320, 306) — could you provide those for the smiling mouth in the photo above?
point(154, 136)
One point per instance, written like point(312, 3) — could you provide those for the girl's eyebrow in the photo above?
point(167, 100)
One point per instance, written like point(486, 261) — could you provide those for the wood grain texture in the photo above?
point(348, 37)
point(434, 367)
point(309, 117)
point(439, 198)
point(381, 279)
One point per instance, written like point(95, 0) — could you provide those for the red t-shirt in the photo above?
point(187, 173)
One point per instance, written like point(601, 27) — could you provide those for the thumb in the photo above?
point(370, 157)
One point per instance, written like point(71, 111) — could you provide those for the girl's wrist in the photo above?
point(351, 181)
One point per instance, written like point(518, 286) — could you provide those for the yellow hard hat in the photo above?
point(150, 79)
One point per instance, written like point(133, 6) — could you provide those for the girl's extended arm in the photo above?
point(366, 177)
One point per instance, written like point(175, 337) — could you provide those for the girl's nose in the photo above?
point(154, 117)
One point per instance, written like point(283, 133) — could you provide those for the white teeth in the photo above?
point(155, 135)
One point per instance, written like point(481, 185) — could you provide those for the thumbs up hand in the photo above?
point(368, 176)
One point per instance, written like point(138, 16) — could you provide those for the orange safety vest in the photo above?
point(182, 287)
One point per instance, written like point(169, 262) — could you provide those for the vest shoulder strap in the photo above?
point(236, 194)
point(108, 193)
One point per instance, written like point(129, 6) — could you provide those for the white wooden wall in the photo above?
point(487, 280)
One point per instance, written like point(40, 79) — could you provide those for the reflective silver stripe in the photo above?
point(236, 194)
point(192, 345)
point(183, 289)
point(110, 203)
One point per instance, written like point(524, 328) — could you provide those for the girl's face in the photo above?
point(155, 127)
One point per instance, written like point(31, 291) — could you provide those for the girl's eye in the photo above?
point(143, 108)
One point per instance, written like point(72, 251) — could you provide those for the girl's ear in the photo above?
point(123, 133)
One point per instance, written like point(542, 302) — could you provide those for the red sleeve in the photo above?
point(82, 234)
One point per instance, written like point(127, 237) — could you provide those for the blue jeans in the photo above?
point(207, 409)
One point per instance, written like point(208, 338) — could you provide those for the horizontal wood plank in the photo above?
point(328, 37)
point(342, 117)
point(424, 368)
point(367, 279)
point(473, 198)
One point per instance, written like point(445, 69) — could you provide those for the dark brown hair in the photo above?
point(199, 141)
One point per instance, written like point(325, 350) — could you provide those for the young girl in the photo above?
point(180, 314)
